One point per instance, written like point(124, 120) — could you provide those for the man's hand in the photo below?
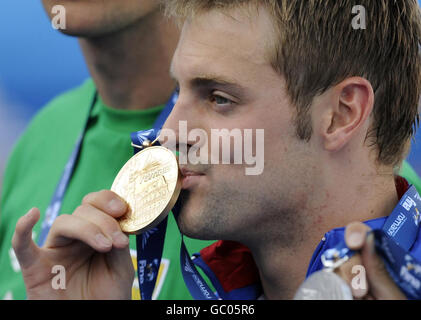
point(375, 282)
point(89, 244)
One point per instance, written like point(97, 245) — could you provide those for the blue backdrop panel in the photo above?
point(36, 61)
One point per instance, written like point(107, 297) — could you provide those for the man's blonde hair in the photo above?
point(317, 48)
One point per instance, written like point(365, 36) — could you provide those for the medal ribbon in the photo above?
point(393, 243)
point(57, 199)
point(150, 244)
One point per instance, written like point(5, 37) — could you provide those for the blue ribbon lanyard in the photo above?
point(150, 244)
point(57, 199)
point(393, 243)
point(197, 286)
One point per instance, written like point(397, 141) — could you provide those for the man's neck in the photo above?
point(283, 267)
point(130, 67)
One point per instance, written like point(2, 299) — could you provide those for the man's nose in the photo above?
point(186, 109)
point(180, 122)
point(180, 130)
point(171, 124)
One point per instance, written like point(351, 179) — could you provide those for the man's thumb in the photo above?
point(382, 287)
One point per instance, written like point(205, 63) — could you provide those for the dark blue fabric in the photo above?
point(197, 286)
point(331, 239)
point(150, 244)
point(251, 292)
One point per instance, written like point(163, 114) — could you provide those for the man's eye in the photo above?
point(220, 100)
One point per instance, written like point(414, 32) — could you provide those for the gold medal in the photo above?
point(150, 183)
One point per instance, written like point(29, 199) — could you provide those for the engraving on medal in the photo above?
point(150, 183)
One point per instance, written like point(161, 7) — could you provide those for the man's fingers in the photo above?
point(382, 287)
point(120, 261)
point(108, 202)
point(355, 235)
point(106, 223)
point(25, 249)
point(352, 272)
point(68, 228)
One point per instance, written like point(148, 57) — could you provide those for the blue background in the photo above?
point(37, 63)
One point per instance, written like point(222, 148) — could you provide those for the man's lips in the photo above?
point(190, 178)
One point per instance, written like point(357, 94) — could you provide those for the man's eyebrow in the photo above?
point(212, 81)
point(216, 82)
point(208, 81)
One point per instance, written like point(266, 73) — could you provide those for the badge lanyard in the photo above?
point(393, 243)
point(150, 244)
point(57, 200)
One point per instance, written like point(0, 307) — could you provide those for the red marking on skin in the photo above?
point(319, 219)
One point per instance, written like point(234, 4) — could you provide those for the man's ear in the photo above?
point(351, 104)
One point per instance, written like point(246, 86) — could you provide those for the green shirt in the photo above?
point(37, 162)
point(410, 175)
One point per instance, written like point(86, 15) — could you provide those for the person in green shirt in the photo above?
point(128, 47)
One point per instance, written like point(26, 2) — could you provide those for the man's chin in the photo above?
point(187, 226)
point(194, 219)
point(194, 227)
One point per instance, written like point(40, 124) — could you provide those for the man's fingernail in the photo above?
point(355, 239)
point(103, 241)
point(120, 238)
point(117, 205)
point(30, 212)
